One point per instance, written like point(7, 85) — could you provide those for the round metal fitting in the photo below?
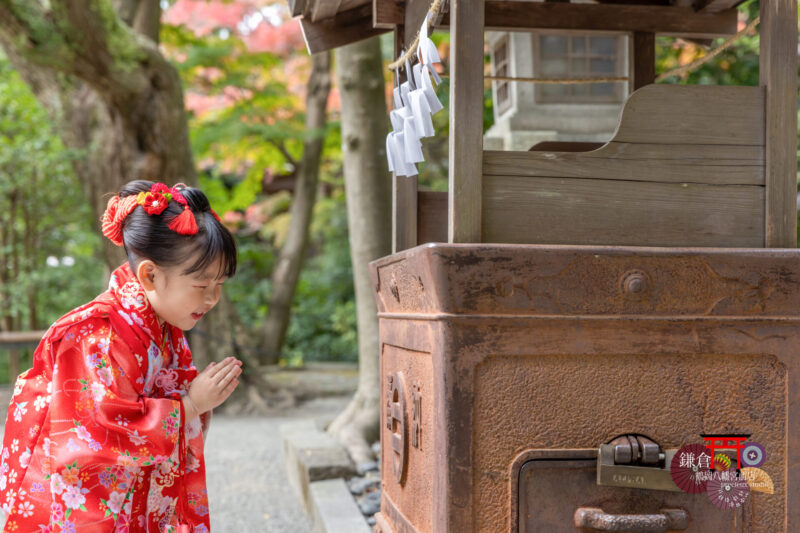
point(635, 285)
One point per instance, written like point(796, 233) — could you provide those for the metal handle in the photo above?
point(598, 520)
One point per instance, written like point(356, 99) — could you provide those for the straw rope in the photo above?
point(434, 10)
point(562, 81)
point(565, 81)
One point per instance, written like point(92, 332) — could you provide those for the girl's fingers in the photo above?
point(225, 363)
point(230, 388)
point(227, 378)
point(220, 376)
point(211, 371)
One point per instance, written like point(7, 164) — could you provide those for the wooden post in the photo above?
point(641, 60)
point(13, 365)
point(404, 189)
point(404, 212)
point(466, 121)
point(778, 75)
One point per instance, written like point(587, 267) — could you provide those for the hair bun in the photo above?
point(115, 213)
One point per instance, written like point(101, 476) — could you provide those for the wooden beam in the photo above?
point(778, 75)
point(404, 212)
point(383, 10)
point(431, 217)
point(715, 6)
point(667, 20)
point(20, 339)
point(642, 60)
point(297, 7)
point(638, 2)
point(344, 28)
point(414, 13)
point(693, 114)
point(505, 15)
point(444, 12)
point(710, 164)
point(404, 191)
point(533, 210)
point(399, 32)
point(466, 128)
point(324, 9)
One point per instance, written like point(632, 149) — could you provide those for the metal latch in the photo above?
point(634, 461)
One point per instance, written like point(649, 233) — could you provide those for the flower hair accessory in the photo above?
point(154, 202)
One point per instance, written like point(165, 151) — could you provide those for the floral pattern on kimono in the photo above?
point(95, 438)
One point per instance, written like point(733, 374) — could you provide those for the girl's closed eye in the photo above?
point(207, 286)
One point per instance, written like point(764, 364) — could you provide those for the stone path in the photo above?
point(247, 484)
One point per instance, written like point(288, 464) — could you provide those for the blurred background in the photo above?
point(244, 71)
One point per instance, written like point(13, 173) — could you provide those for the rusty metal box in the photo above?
point(494, 357)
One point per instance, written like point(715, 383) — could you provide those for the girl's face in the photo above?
point(177, 298)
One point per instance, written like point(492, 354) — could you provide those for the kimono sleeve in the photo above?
point(99, 377)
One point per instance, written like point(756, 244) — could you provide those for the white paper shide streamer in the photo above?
point(415, 101)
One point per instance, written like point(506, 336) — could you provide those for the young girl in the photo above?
point(104, 433)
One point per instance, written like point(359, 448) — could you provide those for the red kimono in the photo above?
point(95, 438)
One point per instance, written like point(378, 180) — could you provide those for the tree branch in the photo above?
point(281, 147)
point(84, 38)
point(144, 16)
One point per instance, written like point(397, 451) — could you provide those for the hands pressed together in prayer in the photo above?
point(212, 387)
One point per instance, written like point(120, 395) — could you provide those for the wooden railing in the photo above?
point(20, 339)
point(13, 341)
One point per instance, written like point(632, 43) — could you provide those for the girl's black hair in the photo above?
point(148, 236)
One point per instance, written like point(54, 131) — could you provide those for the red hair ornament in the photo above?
point(185, 223)
point(116, 211)
point(153, 202)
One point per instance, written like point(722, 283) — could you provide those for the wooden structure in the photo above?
point(563, 308)
point(727, 151)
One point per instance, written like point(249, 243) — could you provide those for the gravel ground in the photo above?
point(247, 484)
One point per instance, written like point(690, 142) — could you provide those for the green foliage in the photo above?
point(43, 215)
point(323, 325)
point(244, 103)
point(251, 287)
point(737, 65)
point(258, 133)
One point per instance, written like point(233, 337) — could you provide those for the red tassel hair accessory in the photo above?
point(185, 223)
point(153, 202)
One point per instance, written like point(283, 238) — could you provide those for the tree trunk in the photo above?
point(112, 94)
point(97, 70)
point(368, 191)
point(290, 259)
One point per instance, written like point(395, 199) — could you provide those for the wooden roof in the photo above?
point(328, 24)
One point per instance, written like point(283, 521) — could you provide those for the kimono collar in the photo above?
point(134, 306)
point(136, 322)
